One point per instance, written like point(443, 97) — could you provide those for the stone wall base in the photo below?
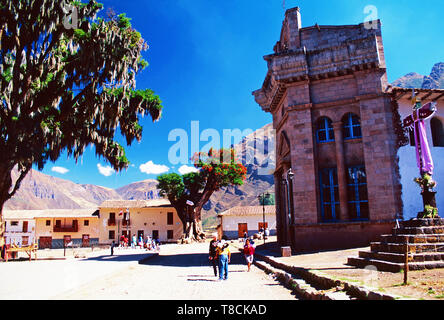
point(335, 236)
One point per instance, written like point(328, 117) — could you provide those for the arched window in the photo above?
point(324, 130)
point(351, 126)
point(437, 132)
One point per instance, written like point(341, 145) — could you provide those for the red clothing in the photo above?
point(249, 250)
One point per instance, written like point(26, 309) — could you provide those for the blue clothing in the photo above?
point(223, 267)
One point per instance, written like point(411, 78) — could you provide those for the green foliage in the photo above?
point(426, 182)
point(430, 212)
point(64, 89)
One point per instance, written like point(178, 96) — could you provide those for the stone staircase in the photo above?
point(425, 246)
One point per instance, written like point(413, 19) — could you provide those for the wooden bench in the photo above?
point(29, 250)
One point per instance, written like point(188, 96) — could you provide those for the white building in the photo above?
point(238, 220)
point(20, 227)
point(411, 196)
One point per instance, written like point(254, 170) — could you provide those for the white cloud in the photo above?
point(106, 171)
point(60, 170)
point(187, 169)
point(151, 168)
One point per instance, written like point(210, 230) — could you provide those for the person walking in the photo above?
point(249, 253)
point(112, 247)
point(134, 242)
point(122, 241)
point(224, 256)
point(213, 254)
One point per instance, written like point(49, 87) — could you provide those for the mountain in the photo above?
point(143, 190)
point(41, 191)
point(414, 80)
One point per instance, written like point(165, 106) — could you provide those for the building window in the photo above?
point(14, 223)
point(112, 235)
point(170, 218)
point(357, 193)
point(86, 223)
point(352, 127)
point(437, 132)
point(48, 222)
point(170, 234)
point(330, 209)
point(324, 130)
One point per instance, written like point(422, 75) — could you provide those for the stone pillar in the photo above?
point(342, 170)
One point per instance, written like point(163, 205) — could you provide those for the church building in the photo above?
point(338, 133)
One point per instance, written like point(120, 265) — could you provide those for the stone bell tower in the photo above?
point(325, 88)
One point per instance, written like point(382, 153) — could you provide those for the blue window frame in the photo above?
point(324, 131)
point(357, 193)
point(352, 127)
point(330, 209)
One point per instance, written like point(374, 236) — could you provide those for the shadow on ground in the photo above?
point(121, 258)
point(190, 260)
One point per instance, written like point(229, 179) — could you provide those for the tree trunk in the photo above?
point(5, 186)
point(193, 227)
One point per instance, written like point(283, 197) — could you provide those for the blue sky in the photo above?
point(206, 59)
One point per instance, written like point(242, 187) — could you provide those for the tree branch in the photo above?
point(23, 174)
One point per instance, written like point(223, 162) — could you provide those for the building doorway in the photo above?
point(242, 228)
point(45, 242)
point(85, 240)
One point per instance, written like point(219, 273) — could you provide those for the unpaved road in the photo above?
point(180, 272)
point(183, 272)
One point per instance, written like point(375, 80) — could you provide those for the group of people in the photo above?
point(148, 244)
point(220, 256)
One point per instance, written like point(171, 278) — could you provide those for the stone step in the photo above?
point(422, 223)
point(413, 247)
point(304, 287)
point(400, 258)
point(391, 266)
point(413, 239)
point(379, 264)
point(418, 230)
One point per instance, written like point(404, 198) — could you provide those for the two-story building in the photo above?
point(154, 218)
point(19, 227)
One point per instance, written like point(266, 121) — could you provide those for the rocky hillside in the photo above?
point(41, 191)
point(414, 80)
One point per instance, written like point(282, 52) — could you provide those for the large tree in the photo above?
point(190, 192)
point(67, 80)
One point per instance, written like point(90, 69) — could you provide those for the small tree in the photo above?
point(216, 169)
point(63, 88)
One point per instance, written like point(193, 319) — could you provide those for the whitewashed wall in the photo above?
point(230, 224)
point(15, 234)
point(411, 192)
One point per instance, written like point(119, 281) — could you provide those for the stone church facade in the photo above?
point(326, 87)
